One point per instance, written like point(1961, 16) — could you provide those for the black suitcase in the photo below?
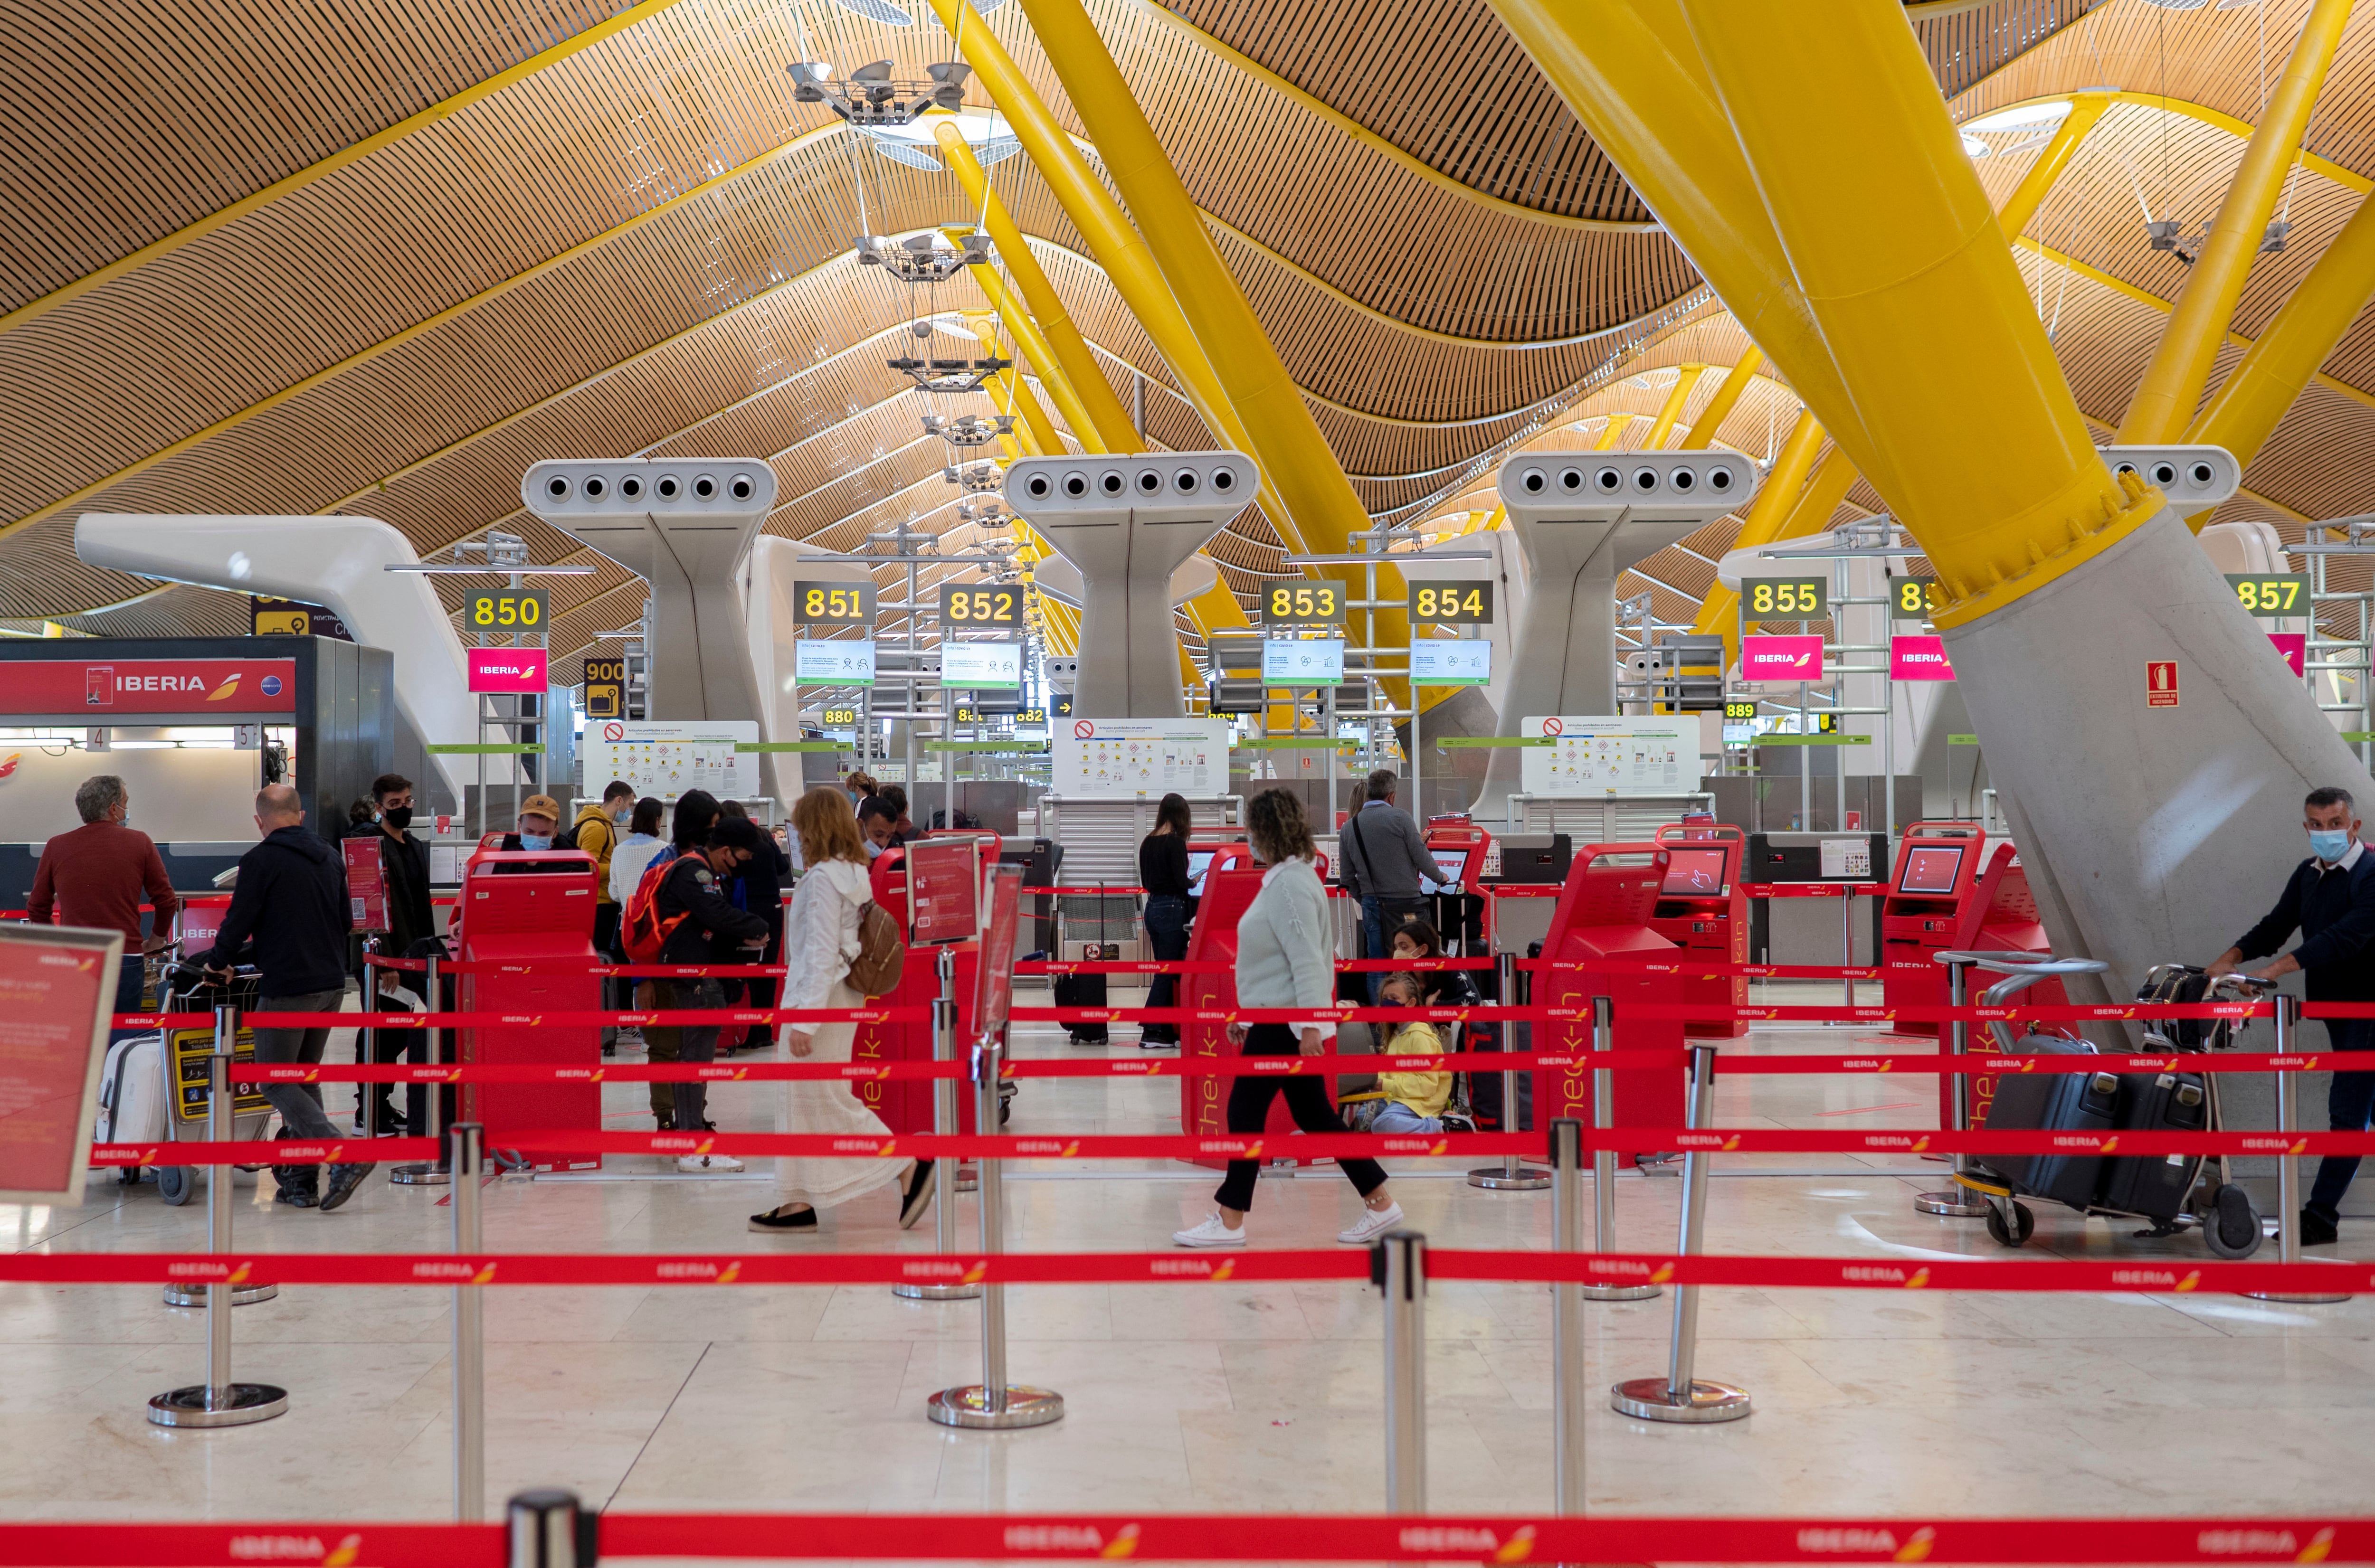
point(1082, 991)
point(2053, 1103)
point(2155, 1185)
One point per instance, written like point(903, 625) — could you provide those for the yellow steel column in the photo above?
point(2029, 195)
point(2002, 504)
point(1612, 432)
point(1034, 347)
point(1632, 73)
point(2291, 346)
point(1017, 395)
point(1297, 462)
point(1726, 398)
point(1664, 424)
point(2181, 365)
point(1766, 515)
point(1072, 351)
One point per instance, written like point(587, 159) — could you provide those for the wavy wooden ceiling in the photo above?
point(641, 246)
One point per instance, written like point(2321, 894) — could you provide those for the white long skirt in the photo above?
point(828, 1105)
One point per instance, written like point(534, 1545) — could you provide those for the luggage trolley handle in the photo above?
point(2018, 976)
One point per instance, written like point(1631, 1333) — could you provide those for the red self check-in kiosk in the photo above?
point(1600, 944)
point(1701, 910)
point(1460, 850)
point(534, 908)
point(919, 885)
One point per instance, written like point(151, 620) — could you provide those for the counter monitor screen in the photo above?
point(1450, 865)
point(1698, 871)
point(1931, 870)
point(1199, 862)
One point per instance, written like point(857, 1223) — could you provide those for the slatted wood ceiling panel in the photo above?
point(148, 116)
point(1964, 50)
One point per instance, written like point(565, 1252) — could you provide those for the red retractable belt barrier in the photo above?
point(1752, 1141)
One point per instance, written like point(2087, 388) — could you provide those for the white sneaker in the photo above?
point(1210, 1233)
point(1373, 1222)
point(708, 1164)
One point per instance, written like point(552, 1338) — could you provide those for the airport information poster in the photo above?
point(1594, 756)
point(56, 986)
point(1122, 759)
point(666, 760)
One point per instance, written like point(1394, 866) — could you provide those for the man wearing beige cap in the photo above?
point(539, 819)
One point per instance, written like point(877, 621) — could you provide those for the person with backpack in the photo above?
point(1384, 848)
point(824, 937)
point(596, 832)
point(696, 809)
point(702, 926)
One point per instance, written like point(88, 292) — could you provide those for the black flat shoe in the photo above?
point(805, 1220)
point(2316, 1230)
point(917, 1196)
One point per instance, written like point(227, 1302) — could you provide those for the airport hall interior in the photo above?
point(1213, 781)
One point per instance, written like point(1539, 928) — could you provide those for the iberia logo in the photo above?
point(9, 766)
point(1917, 1545)
point(224, 691)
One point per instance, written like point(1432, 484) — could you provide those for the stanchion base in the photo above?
point(2295, 1298)
point(967, 1181)
point(1617, 1293)
point(1950, 1205)
point(418, 1177)
point(966, 1407)
point(937, 1292)
point(1649, 1399)
point(250, 1402)
point(241, 1296)
point(1495, 1178)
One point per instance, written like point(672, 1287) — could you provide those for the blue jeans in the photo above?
point(1379, 924)
point(2349, 1104)
point(1395, 1118)
point(1166, 932)
point(129, 981)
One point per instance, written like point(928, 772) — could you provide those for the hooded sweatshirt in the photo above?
point(596, 834)
point(291, 898)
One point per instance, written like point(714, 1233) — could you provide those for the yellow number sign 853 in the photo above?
point(1302, 603)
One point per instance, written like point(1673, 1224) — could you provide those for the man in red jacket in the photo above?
point(94, 877)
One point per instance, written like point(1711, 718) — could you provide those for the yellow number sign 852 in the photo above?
point(973, 606)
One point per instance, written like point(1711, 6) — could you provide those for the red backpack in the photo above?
point(642, 932)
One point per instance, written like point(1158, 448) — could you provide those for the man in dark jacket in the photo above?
point(704, 927)
point(1384, 849)
point(2331, 901)
point(404, 871)
point(290, 900)
point(688, 831)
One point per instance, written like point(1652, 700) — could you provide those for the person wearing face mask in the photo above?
point(703, 927)
point(597, 832)
point(97, 875)
point(2331, 901)
point(539, 819)
point(878, 825)
point(404, 872)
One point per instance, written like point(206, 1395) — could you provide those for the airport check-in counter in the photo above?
point(1701, 910)
point(1600, 933)
point(1460, 850)
point(1793, 881)
point(905, 1106)
point(535, 908)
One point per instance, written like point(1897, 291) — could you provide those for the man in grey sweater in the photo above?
point(1387, 854)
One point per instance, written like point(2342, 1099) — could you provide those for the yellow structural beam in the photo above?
point(2291, 346)
point(1612, 435)
point(2165, 400)
point(1762, 525)
point(2003, 499)
point(1033, 345)
point(1664, 424)
point(1072, 355)
point(1726, 398)
point(1296, 461)
point(1016, 393)
point(2085, 109)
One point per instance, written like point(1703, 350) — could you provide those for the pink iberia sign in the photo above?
point(1793, 658)
point(508, 669)
point(1918, 658)
point(2293, 646)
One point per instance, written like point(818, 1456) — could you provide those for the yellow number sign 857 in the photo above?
point(969, 604)
point(1301, 603)
point(2270, 595)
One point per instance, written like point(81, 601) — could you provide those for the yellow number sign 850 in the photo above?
point(1303, 604)
point(506, 609)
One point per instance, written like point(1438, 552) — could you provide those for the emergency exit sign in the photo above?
point(2160, 683)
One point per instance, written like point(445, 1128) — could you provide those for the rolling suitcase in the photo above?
point(2156, 1187)
point(132, 1095)
point(2053, 1103)
point(1082, 991)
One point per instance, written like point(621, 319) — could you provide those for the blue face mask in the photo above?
point(536, 841)
point(2329, 844)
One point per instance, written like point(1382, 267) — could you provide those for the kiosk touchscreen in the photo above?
point(1931, 870)
point(1702, 910)
point(1697, 873)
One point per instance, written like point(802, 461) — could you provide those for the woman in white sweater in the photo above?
point(819, 942)
point(1285, 958)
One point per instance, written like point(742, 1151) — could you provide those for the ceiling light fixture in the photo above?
point(871, 97)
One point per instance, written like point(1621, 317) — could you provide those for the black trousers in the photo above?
point(1306, 1098)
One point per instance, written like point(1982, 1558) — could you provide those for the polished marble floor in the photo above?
point(1210, 1397)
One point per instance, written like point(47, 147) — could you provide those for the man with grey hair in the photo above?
point(1386, 853)
point(94, 875)
point(290, 900)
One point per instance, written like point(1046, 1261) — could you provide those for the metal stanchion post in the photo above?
point(1568, 1388)
point(1400, 1266)
point(219, 1401)
point(219, 1218)
point(944, 1121)
point(469, 1342)
point(1680, 1395)
point(1847, 935)
point(2288, 1198)
point(993, 1402)
point(1955, 1202)
point(1603, 1161)
point(432, 1173)
point(547, 1528)
point(1513, 1174)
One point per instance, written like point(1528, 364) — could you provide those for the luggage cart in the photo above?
point(2169, 1196)
point(182, 1054)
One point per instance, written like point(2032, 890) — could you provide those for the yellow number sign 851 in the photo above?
point(847, 604)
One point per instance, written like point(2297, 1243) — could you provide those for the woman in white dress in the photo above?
point(819, 943)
